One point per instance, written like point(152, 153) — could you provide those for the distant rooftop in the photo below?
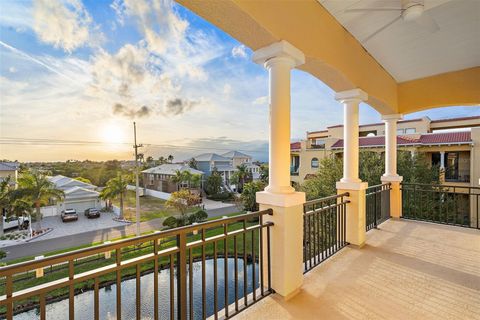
point(210, 157)
point(9, 166)
point(171, 169)
point(461, 137)
point(235, 154)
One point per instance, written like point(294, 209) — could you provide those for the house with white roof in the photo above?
point(160, 177)
point(78, 195)
point(226, 164)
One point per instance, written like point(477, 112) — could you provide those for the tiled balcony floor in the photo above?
point(407, 270)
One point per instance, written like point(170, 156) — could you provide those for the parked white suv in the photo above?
point(15, 222)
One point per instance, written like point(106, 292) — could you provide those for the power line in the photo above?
point(60, 142)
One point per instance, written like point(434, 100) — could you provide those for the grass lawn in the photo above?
point(150, 207)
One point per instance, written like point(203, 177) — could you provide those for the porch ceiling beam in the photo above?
point(458, 88)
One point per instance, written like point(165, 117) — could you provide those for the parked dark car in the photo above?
point(92, 213)
point(69, 215)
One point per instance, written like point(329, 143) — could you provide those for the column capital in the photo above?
point(281, 49)
point(392, 117)
point(357, 95)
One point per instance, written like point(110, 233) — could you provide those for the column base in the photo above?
point(281, 199)
point(391, 178)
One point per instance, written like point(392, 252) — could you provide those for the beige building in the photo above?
point(456, 151)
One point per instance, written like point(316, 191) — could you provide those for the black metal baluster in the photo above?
point(235, 254)
point(225, 267)
point(215, 280)
point(254, 281)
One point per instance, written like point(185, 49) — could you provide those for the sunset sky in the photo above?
point(75, 74)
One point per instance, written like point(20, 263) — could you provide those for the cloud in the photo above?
point(64, 24)
point(239, 51)
point(12, 70)
point(227, 90)
point(179, 106)
point(120, 109)
point(260, 100)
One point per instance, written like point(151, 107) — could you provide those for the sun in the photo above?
point(113, 133)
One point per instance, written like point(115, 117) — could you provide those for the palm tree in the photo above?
point(4, 199)
point(117, 187)
point(181, 177)
point(195, 180)
point(170, 158)
point(177, 178)
point(242, 175)
point(39, 190)
point(106, 196)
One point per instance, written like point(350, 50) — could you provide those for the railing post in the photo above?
point(286, 240)
point(182, 276)
point(395, 195)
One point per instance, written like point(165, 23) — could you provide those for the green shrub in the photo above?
point(198, 216)
point(221, 196)
point(3, 254)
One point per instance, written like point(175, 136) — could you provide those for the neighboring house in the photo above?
point(226, 164)
point(78, 195)
point(160, 178)
point(9, 169)
point(455, 151)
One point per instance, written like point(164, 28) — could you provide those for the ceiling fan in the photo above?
point(410, 10)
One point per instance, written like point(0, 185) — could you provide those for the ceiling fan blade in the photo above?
point(427, 22)
point(381, 29)
point(372, 9)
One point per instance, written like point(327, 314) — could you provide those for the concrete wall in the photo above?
point(152, 193)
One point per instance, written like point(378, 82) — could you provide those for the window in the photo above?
point(410, 130)
point(400, 131)
point(314, 163)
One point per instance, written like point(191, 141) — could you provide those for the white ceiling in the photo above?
point(407, 50)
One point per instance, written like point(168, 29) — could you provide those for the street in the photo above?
point(38, 247)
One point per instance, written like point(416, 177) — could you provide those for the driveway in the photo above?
point(83, 224)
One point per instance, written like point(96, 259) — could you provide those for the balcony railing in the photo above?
point(216, 268)
point(446, 204)
point(324, 229)
point(377, 205)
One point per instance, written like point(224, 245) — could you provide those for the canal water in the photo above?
point(84, 305)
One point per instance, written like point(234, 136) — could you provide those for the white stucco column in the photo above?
point(391, 144)
point(279, 59)
point(442, 159)
point(351, 183)
point(286, 236)
point(350, 100)
point(391, 176)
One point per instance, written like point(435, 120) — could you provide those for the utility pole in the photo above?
point(137, 191)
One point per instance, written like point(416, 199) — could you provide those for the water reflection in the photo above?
point(84, 307)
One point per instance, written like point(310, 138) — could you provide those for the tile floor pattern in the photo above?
point(407, 270)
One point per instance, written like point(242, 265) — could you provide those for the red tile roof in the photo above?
point(295, 146)
point(446, 137)
point(424, 139)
